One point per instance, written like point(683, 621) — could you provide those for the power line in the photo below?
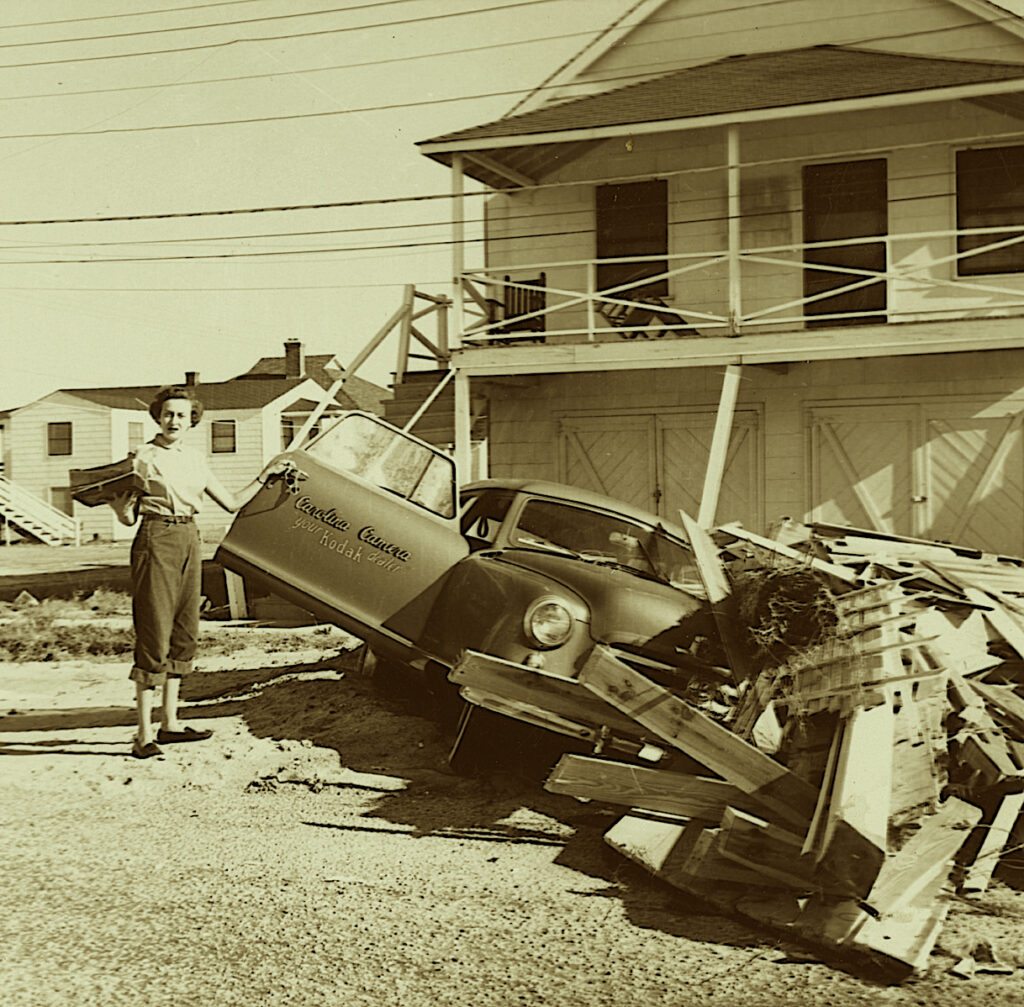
point(447, 242)
point(440, 282)
point(275, 38)
point(436, 54)
point(226, 24)
point(535, 216)
point(160, 127)
point(135, 13)
point(263, 118)
point(429, 197)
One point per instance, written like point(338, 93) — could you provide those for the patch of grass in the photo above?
point(98, 626)
point(37, 636)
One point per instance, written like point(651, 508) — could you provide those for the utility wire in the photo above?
point(435, 54)
point(429, 197)
point(275, 38)
point(262, 118)
point(447, 242)
point(134, 13)
point(248, 20)
point(632, 76)
point(537, 217)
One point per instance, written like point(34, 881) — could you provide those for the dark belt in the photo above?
point(168, 518)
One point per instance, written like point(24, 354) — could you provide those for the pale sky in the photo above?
point(68, 324)
point(93, 323)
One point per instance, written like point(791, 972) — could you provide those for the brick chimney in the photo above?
point(294, 359)
point(191, 378)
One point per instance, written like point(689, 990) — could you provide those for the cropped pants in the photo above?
point(166, 564)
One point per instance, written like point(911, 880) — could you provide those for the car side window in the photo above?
point(482, 516)
point(388, 458)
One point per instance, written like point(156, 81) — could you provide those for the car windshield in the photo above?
point(599, 537)
point(387, 458)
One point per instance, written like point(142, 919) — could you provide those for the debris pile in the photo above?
point(860, 761)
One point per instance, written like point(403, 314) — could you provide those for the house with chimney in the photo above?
point(756, 261)
point(246, 421)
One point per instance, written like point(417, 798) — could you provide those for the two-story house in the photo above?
point(756, 260)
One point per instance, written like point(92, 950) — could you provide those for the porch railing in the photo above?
point(626, 311)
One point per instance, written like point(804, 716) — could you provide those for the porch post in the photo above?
point(458, 249)
point(591, 304)
point(733, 171)
point(719, 446)
point(463, 428)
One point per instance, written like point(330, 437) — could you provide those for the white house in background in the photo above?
point(247, 420)
point(803, 217)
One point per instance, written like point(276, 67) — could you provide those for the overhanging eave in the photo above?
point(492, 144)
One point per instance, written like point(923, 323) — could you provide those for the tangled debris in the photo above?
point(863, 762)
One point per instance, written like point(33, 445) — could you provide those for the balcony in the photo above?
point(839, 287)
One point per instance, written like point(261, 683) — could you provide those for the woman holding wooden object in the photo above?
point(166, 561)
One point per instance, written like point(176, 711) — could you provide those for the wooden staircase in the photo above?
point(35, 517)
point(437, 424)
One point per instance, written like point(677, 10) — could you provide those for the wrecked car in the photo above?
point(502, 578)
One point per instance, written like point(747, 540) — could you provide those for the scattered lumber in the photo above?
point(864, 765)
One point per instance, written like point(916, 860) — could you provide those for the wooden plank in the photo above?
point(863, 783)
point(910, 899)
point(719, 592)
point(1005, 700)
point(908, 935)
point(766, 849)
point(703, 739)
point(645, 787)
point(564, 697)
point(235, 587)
point(935, 842)
point(843, 573)
point(715, 468)
point(997, 834)
point(532, 715)
point(999, 619)
point(682, 853)
point(982, 745)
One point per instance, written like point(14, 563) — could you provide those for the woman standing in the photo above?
point(166, 561)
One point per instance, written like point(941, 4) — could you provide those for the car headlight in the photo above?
point(548, 623)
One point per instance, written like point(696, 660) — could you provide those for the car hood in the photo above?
point(626, 609)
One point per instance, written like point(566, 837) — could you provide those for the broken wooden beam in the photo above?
point(511, 683)
point(645, 787)
point(719, 591)
point(978, 874)
point(703, 739)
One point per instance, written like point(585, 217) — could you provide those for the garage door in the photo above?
point(949, 471)
point(658, 461)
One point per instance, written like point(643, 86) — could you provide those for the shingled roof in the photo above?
point(238, 393)
point(747, 83)
point(357, 393)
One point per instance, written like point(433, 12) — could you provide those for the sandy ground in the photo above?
point(318, 850)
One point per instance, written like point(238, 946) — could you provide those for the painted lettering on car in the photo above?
point(369, 535)
point(327, 515)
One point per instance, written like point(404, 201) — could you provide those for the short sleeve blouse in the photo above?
point(172, 479)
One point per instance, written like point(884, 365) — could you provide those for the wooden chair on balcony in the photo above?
point(515, 303)
point(647, 308)
point(635, 319)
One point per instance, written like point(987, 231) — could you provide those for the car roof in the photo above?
point(575, 494)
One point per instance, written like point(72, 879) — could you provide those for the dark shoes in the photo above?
point(141, 751)
point(188, 734)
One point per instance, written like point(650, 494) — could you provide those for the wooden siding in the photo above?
point(234, 469)
point(687, 32)
point(526, 420)
point(34, 470)
point(541, 227)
